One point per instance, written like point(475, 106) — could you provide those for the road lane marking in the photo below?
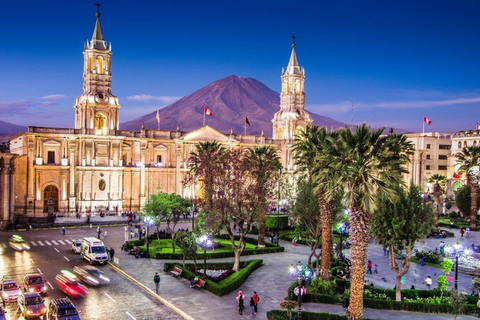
point(34, 243)
point(48, 243)
point(128, 314)
point(55, 242)
point(68, 241)
point(66, 258)
point(110, 297)
point(56, 249)
point(31, 260)
point(61, 242)
point(39, 271)
point(48, 282)
point(41, 243)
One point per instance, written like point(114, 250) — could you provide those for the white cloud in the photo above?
point(346, 106)
point(24, 107)
point(53, 96)
point(150, 98)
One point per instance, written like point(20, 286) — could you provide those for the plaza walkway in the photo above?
point(272, 280)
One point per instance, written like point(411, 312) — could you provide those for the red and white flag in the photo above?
point(427, 120)
point(207, 111)
point(246, 121)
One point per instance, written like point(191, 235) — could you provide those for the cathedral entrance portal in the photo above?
point(50, 198)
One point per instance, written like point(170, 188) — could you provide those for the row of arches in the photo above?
point(465, 144)
point(99, 66)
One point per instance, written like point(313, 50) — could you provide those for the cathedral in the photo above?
point(97, 167)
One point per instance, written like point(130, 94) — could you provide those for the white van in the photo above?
point(93, 250)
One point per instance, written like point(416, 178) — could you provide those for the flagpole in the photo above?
point(204, 115)
point(423, 130)
point(245, 124)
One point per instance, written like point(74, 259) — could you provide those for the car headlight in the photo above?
point(5, 295)
point(29, 311)
point(44, 288)
point(92, 280)
point(104, 278)
point(26, 247)
point(31, 290)
point(44, 310)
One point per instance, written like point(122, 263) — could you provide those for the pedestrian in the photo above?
point(240, 303)
point(375, 268)
point(462, 232)
point(256, 299)
point(63, 230)
point(132, 234)
point(105, 234)
point(369, 266)
point(303, 293)
point(442, 247)
point(385, 251)
point(428, 282)
point(99, 232)
point(478, 306)
point(156, 280)
point(112, 253)
point(294, 241)
point(252, 306)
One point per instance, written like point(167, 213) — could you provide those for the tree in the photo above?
point(458, 303)
point(167, 206)
point(463, 199)
point(263, 163)
point(187, 241)
point(308, 148)
point(401, 223)
point(469, 161)
point(367, 165)
point(439, 181)
point(203, 165)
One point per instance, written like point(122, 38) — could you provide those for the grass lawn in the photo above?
point(165, 246)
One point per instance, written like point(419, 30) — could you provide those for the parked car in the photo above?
point(34, 283)
point(68, 283)
point(10, 290)
point(77, 246)
point(31, 305)
point(17, 243)
point(90, 275)
point(62, 309)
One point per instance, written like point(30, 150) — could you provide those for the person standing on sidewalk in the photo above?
point(240, 302)
point(252, 306)
point(63, 230)
point(156, 280)
point(112, 253)
point(256, 299)
point(369, 266)
point(99, 232)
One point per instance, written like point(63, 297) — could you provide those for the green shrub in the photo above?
point(273, 222)
point(325, 287)
point(453, 215)
point(226, 285)
point(306, 315)
point(448, 205)
point(428, 256)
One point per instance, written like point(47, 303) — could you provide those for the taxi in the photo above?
point(17, 243)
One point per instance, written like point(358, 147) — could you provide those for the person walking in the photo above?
point(99, 232)
point(462, 232)
point(428, 282)
point(294, 241)
point(112, 253)
point(369, 266)
point(63, 230)
point(375, 268)
point(252, 306)
point(256, 299)
point(240, 302)
point(156, 280)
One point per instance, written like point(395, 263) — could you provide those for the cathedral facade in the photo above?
point(97, 167)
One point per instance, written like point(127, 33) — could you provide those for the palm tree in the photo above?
point(309, 144)
point(264, 163)
point(439, 181)
point(203, 164)
point(368, 165)
point(469, 160)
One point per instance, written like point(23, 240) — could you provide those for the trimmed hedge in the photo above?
point(226, 285)
point(306, 315)
point(271, 221)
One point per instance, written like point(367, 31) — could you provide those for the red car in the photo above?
point(68, 282)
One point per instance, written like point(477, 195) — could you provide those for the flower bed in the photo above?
point(216, 275)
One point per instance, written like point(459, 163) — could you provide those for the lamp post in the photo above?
point(301, 273)
point(456, 252)
point(205, 241)
point(148, 221)
point(278, 202)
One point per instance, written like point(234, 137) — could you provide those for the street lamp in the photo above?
point(456, 253)
point(300, 272)
point(205, 241)
point(278, 202)
point(148, 221)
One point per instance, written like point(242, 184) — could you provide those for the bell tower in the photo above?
point(292, 115)
point(97, 109)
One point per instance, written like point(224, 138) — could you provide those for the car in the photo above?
point(77, 246)
point(90, 275)
point(34, 283)
point(31, 305)
point(17, 243)
point(10, 290)
point(67, 281)
point(62, 309)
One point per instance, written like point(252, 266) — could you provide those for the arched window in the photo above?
point(101, 125)
point(474, 142)
point(459, 145)
point(464, 144)
point(50, 198)
point(279, 133)
point(99, 65)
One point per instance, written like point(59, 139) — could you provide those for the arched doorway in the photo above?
point(50, 192)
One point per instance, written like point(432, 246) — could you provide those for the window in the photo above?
point(51, 157)
point(428, 167)
point(442, 157)
point(428, 156)
point(464, 144)
point(474, 142)
point(444, 146)
point(428, 145)
point(159, 158)
point(459, 145)
point(442, 167)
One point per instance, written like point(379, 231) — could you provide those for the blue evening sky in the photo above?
point(396, 60)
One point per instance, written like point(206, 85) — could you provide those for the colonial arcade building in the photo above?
point(96, 167)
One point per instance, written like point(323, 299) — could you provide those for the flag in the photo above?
point(158, 116)
point(246, 121)
point(207, 111)
point(478, 126)
point(427, 120)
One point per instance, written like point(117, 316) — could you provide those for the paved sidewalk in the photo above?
point(272, 280)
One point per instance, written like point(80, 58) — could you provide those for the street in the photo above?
point(50, 253)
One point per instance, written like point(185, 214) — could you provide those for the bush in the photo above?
point(448, 205)
point(271, 221)
point(226, 285)
point(306, 315)
point(428, 256)
point(453, 215)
